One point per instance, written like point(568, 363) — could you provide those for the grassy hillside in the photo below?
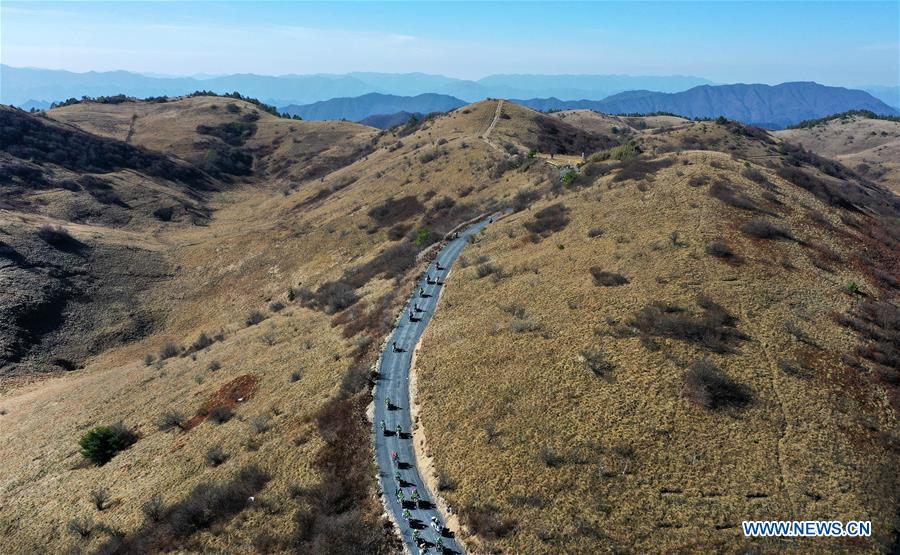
point(556, 383)
point(869, 145)
point(281, 298)
point(675, 343)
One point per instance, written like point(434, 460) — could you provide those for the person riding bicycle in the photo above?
point(397, 475)
point(394, 456)
point(415, 495)
point(435, 524)
point(383, 427)
point(400, 495)
point(399, 430)
point(439, 543)
point(387, 402)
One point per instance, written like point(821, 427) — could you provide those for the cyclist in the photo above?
point(387, 403)
point(399, 430)
point(394, 456)
point(383, 427)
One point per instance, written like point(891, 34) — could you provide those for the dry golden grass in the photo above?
point(639, 467)
point(258, 243)
point(856, 141)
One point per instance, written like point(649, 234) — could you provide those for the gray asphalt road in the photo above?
point(393, 384)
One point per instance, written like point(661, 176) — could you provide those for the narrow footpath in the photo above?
point(408, 498)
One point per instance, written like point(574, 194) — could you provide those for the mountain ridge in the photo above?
point(773, 106)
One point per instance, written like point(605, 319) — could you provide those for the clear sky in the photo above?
point(839, 43)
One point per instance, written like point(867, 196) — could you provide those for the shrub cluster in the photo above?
point(607, 279)
point(712, 329)
point(549, 220)
point(764, 229)
point(705, 385)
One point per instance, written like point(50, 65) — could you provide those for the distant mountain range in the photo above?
point(774, 107)
point(21, 85)
point(360, 107)
point(393, 97)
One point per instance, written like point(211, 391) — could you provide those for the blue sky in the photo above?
point(840, 43)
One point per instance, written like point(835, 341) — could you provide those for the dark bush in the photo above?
point(550, 458)
point(334, 296)
point(392, 262)
point(57, 236)
point(607, 279)
point(154, 508)
point(724, 192)
point(214, 365)
point(597, 363)
point(221, 414)
point(232, 133)
point(764, 229)
point(393, 211)
point(698, 180)
point(169, 350)
point(485, 521)
point(356, 378)
point(102, 443)
point(202, 342)
point(81, 526)
point(276, 306)
point(549, 220)
point(720, 249)
point(398, 231)
point(486, 269)
point(757, 177)
point(445, 482)
point(705, 385)
point(99, 498)
point(254, 317)
point(171, 420)
point(639, 168)
point(215, 455)
point(713, 329)
point(596, 232)
point(432, 155)
point(525, 198)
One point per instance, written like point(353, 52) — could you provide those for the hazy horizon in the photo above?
point(849, 44)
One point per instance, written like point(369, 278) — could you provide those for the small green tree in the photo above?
point(421, 237)
point(102, 443)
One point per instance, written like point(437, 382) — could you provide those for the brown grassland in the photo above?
point(552, 381)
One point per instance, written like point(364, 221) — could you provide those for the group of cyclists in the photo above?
point(415, 496)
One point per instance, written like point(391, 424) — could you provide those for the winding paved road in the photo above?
point(393, 384)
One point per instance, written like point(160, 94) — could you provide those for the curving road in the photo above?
point(393, 384)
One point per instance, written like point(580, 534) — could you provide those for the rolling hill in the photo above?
point(774, 107)
point(868, 144)
point(694, 325)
